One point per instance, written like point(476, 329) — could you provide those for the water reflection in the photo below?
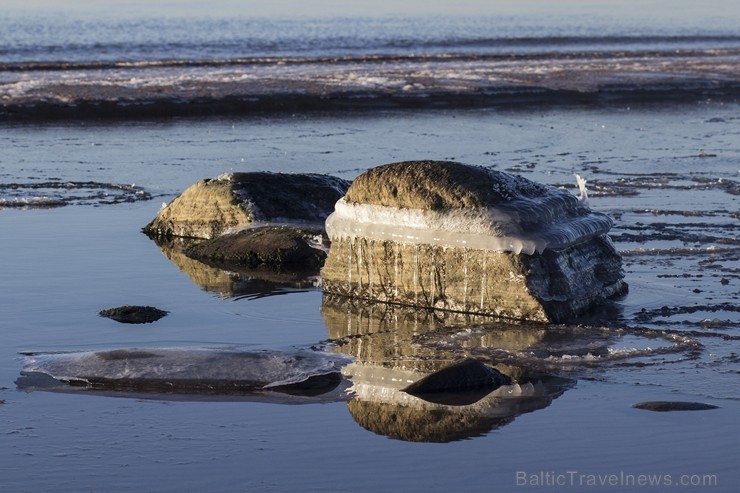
point(396, 346)
point(379, 405)
point(230, 280)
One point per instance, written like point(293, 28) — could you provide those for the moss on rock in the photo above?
point(437, 185)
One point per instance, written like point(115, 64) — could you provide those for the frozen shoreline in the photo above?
point(236, 87)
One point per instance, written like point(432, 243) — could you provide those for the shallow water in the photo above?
point(667, 176)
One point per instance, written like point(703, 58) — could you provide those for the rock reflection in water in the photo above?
point(233, 281)
point(379, 405)
point(389, 344)
point(394, 335)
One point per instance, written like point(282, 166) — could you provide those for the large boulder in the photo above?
point(237, 200)
point(445, 235)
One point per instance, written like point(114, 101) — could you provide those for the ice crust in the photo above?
point(522, 225)
point(257, 369)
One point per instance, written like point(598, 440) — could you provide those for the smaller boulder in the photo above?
point(272, 247)
point(210, 208)
point(130, 314)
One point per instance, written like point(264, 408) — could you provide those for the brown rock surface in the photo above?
point(437, 185)
point(210, 207)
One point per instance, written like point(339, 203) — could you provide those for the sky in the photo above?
point(376, 7)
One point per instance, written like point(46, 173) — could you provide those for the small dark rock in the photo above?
point(131, 314)
point(467, 375)
point(664, 406)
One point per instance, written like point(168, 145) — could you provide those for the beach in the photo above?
point(659, 146)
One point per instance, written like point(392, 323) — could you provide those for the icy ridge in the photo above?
point(523, 225)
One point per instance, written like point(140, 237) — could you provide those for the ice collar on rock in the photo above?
point(556, 219)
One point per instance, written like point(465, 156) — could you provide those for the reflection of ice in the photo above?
point(569, 347)
point(426, 340)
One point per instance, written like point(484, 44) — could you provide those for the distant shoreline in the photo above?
point(510, 98)
point(369, 85)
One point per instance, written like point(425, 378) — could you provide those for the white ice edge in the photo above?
point(521, 226)
point(267, 369)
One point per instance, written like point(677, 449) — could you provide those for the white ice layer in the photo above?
point(260, 369)
point(523, 225)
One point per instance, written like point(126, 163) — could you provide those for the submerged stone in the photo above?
point(440, 234)
point(133, 314)
point(466, 375)
point(234, 200)
point(665, 406)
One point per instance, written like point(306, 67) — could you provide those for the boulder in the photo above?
point(445, 235)
point(272, 247)
point(235, 200)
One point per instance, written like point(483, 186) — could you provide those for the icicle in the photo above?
point(583, 194)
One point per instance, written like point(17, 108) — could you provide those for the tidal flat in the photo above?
point(668, 175)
